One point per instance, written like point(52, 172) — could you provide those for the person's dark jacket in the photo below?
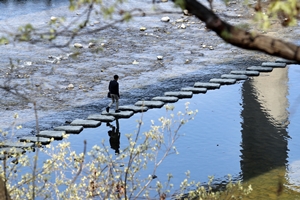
point(114, 87)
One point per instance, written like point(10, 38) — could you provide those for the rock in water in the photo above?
point(165, 19)
point(78, 45)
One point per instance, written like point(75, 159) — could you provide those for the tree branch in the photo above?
point(241, 38)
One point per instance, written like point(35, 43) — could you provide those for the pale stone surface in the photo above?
point(122, 114)
point(70, 86)
point(260, 68)
point(102, 118)
point(85, 123)
point(244, 72)
point(165, 19)
point(58, 135)
point(78, 45)
point(91, 44)
point(165, 99)
point(53, 18)
point(133, 108)
point(234, 76)
point(33, 139)
point(207, 85)
point(281, 60)
point(181, 20)
point(69, 129)
point(17, 144)
point(159, 57)
point(150, 104)
point(273, 64)
point(222, 81)
point(194, 89)
point(181, 94)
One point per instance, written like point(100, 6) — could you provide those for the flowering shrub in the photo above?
point(97, 174)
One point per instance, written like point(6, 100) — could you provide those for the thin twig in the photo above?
point(37, 150)
point(81, 164)
point(131, 157)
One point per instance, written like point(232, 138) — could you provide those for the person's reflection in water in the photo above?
point(114, 136)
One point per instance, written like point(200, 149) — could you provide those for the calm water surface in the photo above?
point(12, 8)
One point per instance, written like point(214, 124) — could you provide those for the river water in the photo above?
point(13, 8)
point(249, 129)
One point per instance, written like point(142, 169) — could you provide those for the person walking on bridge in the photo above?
point(114, 93)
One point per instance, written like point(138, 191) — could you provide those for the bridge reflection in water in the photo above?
point(264, 147)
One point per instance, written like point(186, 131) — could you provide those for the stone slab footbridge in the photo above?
point(8, 148)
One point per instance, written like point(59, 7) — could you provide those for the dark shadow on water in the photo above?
point(114, 136)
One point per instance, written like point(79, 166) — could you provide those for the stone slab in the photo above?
point(273, 64)
point(194, 89)
point(69, 129)
point(260, 69)
point(122, 114)
point(33, 139)
point(17, 144)
point(207, 85)
point(244, 72)
point(85, 123)
point(150, 104)
point(165, 99)
point(102, 118)
point(133, 108)
point(57, 135)
point(180, 94)
point(222, 81)
point(281, 60)
point(234, 76)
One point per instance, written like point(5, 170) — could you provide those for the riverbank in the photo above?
point(190, 54)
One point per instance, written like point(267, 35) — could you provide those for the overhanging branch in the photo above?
point(241, 38)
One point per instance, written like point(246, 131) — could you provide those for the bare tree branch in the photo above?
point(81, 164)
point(241, 38)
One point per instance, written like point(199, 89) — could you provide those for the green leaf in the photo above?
point(72, 5)
point(180, 3)
point(4, 40)
point(127, 16)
